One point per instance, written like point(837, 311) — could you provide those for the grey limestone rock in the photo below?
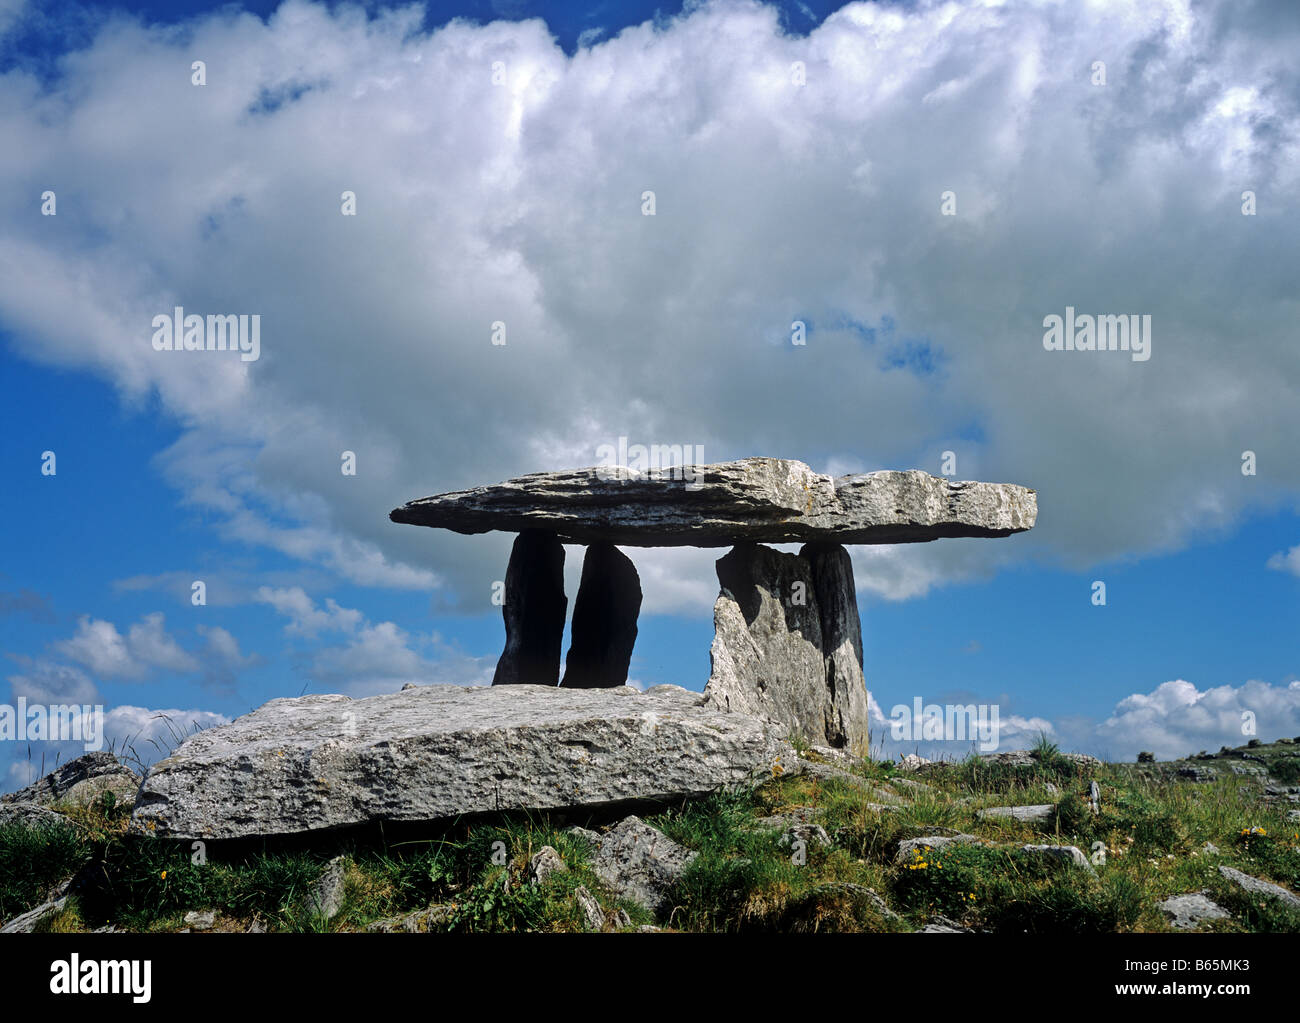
point(773, 500)
point(437, 752)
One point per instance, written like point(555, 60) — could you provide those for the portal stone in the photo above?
point(847, 718)
point(767, 645)
point(604, 620)
point(534, 611)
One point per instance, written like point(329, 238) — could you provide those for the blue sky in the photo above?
point(521, 203)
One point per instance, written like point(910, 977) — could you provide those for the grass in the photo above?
point(1147, 842)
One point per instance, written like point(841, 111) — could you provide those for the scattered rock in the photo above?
point(1196, 773)
point(808, 834)
point(1027, 758)
point(1070, 854)
point(201, 920)
point(438, 752)
point(912, 762)
point(1210, 849)
point(543, 864)
point(326, 898)
point(1051, 789)
point(435, 918)
point(1187, 912)
point(641, 863)
point(1255, 886)
point(842, 759)
point(257, 927)
point(32, 815)
point(791, 817)
point(906, 847)
point(939, 924)
point(1038, 814)
point(593, 916)
point(81, 781)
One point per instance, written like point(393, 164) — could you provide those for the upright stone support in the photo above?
point(604, 620)
point(533, 611)
point(767, 645)
point(847, 718)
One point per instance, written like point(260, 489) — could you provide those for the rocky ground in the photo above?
point(1038, 842)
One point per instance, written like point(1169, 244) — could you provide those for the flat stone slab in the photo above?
point(1037, 814)
point(767, 500)
point(1187, 912)
point(436, 752)
point(908, 848)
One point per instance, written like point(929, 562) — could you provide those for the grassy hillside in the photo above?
point(1147, 841)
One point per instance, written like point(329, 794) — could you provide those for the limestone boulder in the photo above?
point(438, 752)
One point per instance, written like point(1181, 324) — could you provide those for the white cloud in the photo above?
point(374, 657)
point(1176, 719)
point(45, 681)
point(521, 203)
point(305, 618)
point(149, 735)
point(147, 646)
point(1286, 562)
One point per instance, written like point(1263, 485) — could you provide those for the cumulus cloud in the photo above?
point(1175, 719)
point(1286, 561)
point(146, 647)
point(521, 203)
point(373, 657)
point(46, 681)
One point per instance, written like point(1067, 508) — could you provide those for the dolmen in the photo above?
point(787, 660)
point(787, 643)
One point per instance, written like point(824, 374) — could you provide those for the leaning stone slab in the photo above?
point(437, 752)
point(26, 922)
point(1255, 886)
point(81, 781)
point(770, 500)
